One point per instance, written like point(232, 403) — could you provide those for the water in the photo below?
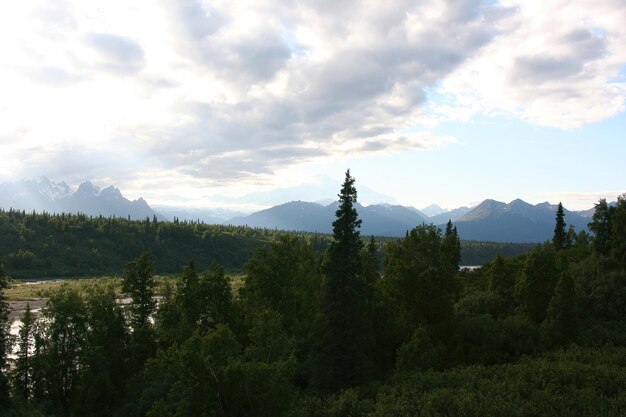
point(469, 267)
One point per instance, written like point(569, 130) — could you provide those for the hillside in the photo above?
point(378, 219)
point(516, 221)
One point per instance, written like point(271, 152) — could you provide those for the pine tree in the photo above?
point(23, 372)
point(5, 340)
point(344, 355)
point(562, 318)
point(452, 244)
point(618, 230)
point(560, 235)
point(139, 283)
point(601, 227)
point(536, 285)
point(501, 282)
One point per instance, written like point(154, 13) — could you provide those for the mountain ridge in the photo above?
point(490, 220)
point(45, 195)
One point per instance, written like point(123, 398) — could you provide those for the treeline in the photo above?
point(326, 334)
point(62, 245)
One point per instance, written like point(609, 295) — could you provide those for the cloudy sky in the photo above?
point(429, 101)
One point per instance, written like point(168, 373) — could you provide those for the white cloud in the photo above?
point(583, 200)
point(553, 63)
point(221, 92)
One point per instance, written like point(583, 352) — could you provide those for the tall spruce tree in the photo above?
point(5, 341)
point(562, 320)
point(139, 284)
point(344, 351)
point(452, 244)
point(23, 372)
point(601, 227)
point(536, 285)
point(560, 235)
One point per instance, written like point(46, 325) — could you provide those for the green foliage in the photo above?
point(481, 302)
point(601, 227)
point(563, 319)
point(502, 279)
point(269, 342)
point(536, 285)
point(207, 376)
point(420, 275)
point(618, 231)
point(559, 240)
point(62, 245)
point(480, 253)
point(418, 354)
point(578, 382)
point(22, 374)
point(65, 331)
point(452, 244)
point(200, 304)
point(104, 366)
point(344, 350)
point(284, 277)
point(5, 341)
point(444, 341)
point(481, 339)
point(139, 284)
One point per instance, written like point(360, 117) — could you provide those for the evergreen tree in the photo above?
point(562, 318)
point(344, 352)
point(104, 359)
point(23, 372)
point(560, 235)
point(501, 281)
point(139, 284)
point(570, 239)
point(452, 244)
point(420, 275)
point(65, 333)
point(601, 227)
point(536, 286)
point(284, 277)
point(618, 230)
point(5, 340)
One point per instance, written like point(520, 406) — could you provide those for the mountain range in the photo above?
point(44, 195)
point(517, 221)
point(491, 220)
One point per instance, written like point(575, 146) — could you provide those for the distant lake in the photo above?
point(469, 267)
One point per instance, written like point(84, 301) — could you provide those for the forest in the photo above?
point(348, 327)
point(36, 245)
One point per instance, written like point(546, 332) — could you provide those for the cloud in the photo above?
point(226, 92)
point(552, 64)
point(118, 54)
point(583, 200)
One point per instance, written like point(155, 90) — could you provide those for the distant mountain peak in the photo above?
point(43, 194)
point(433, 210)
point(87, 188)
point(111, 192)
point(519, 201)
point(517, 221)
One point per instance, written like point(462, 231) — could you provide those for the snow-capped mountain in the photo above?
point(45, 195)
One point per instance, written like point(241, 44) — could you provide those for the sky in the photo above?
point(196, 103)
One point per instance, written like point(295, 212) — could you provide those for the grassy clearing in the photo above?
point(20, 290)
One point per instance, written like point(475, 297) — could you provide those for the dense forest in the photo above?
point(339, 331)
point(37, 245)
